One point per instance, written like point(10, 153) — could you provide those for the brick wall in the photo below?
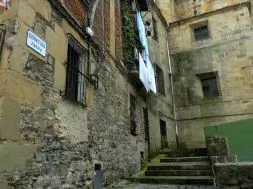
point(118, 31)
point(107, 24)
point(77, 9)
point(101, 24)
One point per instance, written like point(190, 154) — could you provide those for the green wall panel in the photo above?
point(240, 138)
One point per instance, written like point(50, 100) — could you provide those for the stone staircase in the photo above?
point(182, 167)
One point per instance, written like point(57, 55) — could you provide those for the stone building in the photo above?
point(67, 101)
point(210, 44)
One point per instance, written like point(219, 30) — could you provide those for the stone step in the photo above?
point(178, 173)
point(187, 152)
point(185, 159)
point(182, 180)
point(180, 166)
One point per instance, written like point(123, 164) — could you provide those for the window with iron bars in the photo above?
point(76, 72)
point(210, 87)
point(2, 34)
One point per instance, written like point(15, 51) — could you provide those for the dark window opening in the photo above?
point(133, 115)
point(155, 36)
point(146, 123)
point(160, 80)
point(2, 34)
point(210, 87)
point(201, 33)
point(76, 72)
point(163, 131)
point(142, 160)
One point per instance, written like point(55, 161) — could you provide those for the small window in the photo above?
point(76, 72)
point(2, 34)
point(201, 33)
point(210, 87)
point(160, 80)
point(133, 115)
point(155, 35)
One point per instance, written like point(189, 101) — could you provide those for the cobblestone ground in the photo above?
point(129, 185)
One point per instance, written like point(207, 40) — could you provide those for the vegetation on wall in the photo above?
point(130, 35)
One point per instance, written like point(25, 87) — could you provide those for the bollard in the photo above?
point(97, 177)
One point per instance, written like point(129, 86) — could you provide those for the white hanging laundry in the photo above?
point(144, 76)
point(142, 35)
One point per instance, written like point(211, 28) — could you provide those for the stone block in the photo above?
point(219, 146)
point(21, 90)
point(26, 13)
point(14, 156)
point(10, 120)
point(226, 174)
point(37, 5)
point(245, 174)
point(223, 159)
point(19, 57)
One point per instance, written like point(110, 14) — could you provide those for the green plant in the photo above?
point(130, 35)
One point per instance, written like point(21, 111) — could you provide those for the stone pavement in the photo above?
point(129, 185)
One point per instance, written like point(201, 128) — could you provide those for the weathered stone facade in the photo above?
point(48, 141)
point(226, 53)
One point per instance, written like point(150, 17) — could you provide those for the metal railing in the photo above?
point(76, 72)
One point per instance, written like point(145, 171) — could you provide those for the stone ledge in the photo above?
point(232, 175)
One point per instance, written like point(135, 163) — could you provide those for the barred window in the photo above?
point(76, 71)
point(2, 34)
point(210, 87)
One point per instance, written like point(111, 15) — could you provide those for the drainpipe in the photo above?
point(172, 88)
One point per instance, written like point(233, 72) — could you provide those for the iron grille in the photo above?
point(201, 33)
point(2, 35)
point(210, 87)
point(76, 72)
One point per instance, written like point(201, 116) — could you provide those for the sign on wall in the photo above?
point(36, 43)
point(4, 5)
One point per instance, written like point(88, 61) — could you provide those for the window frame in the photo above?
point(199, 25)
point(79, 72)
point(208, 76)
point(160, 84)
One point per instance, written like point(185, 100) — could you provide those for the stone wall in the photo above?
point(218, 150)
point(226, 52)
point(177, 10)
point(55, 142)
point(161, 106)
point(47, 140)
point(234, 175)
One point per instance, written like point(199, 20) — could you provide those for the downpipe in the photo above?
point(172, 88)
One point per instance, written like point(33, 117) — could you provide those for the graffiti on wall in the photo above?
point(4, 5)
